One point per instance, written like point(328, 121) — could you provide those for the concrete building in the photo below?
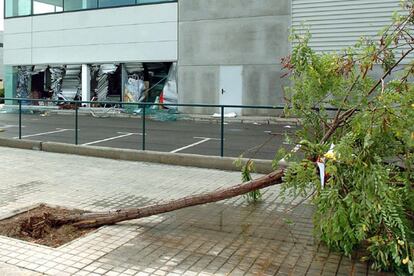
point(230, 51)
point(225, 51)
point(1, 60)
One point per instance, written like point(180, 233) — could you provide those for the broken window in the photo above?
point(40, 83)
point(129, 82)
point(146, 82)
point(134, 83)
point(169, 94)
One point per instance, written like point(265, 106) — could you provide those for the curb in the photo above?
point(21, 144)
point(178, 159)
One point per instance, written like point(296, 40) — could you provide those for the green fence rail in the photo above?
point(144, 105)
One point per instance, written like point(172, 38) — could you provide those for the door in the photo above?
point(231, 87)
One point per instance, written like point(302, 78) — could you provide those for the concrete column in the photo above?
point(10, 83)
point(86, 83)
point(124, 79)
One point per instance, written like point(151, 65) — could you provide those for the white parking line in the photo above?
point(59, 130)
point(124, 134)
point(204, 139)
point(10, 126)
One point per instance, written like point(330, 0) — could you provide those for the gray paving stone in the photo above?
point(226, 238)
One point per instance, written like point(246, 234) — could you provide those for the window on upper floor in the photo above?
point(115, 3)
point(18, 7)
point(47, 6)
point(152, 1)
point(14, 8)
point(76, 5)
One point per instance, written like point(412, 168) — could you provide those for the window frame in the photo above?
point(33, 12)
point(5, 10)
point(75, 10)
point(159, 2)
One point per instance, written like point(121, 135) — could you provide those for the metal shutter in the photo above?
point(337, 24)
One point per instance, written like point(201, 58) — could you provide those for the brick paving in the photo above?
point(226, 238)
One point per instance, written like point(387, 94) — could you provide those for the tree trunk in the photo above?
point(108, 218)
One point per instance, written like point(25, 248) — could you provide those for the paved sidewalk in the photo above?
point(11, 270)
point(225, 238)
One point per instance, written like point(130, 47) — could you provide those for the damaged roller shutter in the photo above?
point(23, 78)
point(57, 74)
point(71, 82)
point(102, 89)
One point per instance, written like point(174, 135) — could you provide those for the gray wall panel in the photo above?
point(19, 40)
point(199, 84)
point(147, 14)
point(263, 86)
point(253, 40)
point(99, 35)
point(214, 33)
point(195, 10)
point(17, 25)
point(165, 51)
point(1, 57)
point(17, 56)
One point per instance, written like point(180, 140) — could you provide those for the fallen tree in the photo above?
point(107, 218)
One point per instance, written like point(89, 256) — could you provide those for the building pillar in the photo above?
point(86, 83)
point(124, 80)
point(10, 83)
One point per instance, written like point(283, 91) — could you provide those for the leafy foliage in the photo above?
point(362, 128)
point(246, 170)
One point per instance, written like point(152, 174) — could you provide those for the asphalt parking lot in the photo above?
point(183, 136)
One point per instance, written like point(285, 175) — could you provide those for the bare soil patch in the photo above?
point(35, 226)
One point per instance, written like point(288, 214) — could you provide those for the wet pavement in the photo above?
point(231, 237)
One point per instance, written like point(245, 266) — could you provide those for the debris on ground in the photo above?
point(37, 226)
point(226, 115)
point(156, 114)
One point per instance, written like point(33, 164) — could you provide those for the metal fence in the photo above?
point(144, 105)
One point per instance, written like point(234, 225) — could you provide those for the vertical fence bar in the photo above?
point(222, 132)
point(143, 126)
point(76, 124)
point(20, 119)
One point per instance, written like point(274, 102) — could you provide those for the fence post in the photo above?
point(76, 124)
point(20, 118)
point(222, 132)
point(143, 126)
